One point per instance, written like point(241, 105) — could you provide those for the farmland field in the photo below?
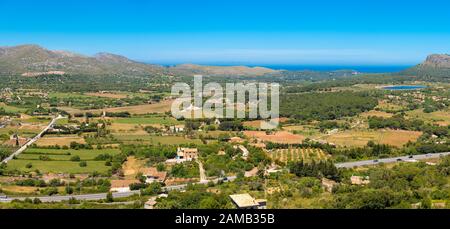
point(11, 108)
point(161, 107)
point(58, 166)
point(441, 118)
point(149, 139)
point(298, 154)
point(59, 140)
point(148, 120)
point(60, 161)
point(277, 137)
point(362, 137)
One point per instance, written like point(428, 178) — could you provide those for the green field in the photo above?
point(60, 161)
point(12, 109)
point(149, 139)
point(60, 154)
point(58, 166)
point(148, 120)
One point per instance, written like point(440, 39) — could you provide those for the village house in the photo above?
point(328, 184)
point(236, 140)
point(176, 129)
point(245, 201)
point(152, 174)
point(359, 180)
point(252, 172)
point(122, 185)
point(150, 204)
point(187, 154)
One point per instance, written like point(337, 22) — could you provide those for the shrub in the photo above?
point(75, 158)
point(83, 164)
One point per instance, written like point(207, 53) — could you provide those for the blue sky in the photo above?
point(277, 32)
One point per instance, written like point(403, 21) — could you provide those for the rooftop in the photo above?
point(245, 200)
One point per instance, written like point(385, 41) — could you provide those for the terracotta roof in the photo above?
point(122, 183)
point(153, 172)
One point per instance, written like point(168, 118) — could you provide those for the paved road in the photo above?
point(101, 196)
point(32, 141)
point(390, 160)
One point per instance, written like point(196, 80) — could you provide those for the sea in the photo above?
point(364, 69)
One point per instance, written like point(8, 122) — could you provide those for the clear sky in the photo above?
point(266, 32)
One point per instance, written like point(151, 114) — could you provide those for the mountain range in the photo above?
point(33, 60)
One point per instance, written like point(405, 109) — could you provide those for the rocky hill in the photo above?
point(33, 60)
point(436, 67)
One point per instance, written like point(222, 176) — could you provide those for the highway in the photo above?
point(390, 160)
point(101, 196)
point(32, 141)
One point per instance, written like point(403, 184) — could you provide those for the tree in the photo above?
point(153, 189)
point(83, 164)
point(109, 197)
point(75, 158)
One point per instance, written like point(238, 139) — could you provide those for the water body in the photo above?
point(363, 69)
point(404, 87)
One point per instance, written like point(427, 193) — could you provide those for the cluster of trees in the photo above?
point(4, 153)
point(185, 170)
point(195, 197)
point(399, 122)
point(395, 122)
point(325, 106)
point(155, 153)
point(319, 169)
point(400, 187)
point(231, 126)
point(231, 161)
point(370, 150)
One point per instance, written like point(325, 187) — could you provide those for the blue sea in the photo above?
point(366, 69)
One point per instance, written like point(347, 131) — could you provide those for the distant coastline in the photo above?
point(358, 68)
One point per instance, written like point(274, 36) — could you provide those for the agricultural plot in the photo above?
point(441, 118)
point(59, 161)
point(358, 138)
point(160, 107)
point(64, 140)
point(149, 139)
point(160, 120)
point(298, 154)
point(277, 137)
point(11, 108)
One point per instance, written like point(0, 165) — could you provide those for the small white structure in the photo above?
point(245, 201)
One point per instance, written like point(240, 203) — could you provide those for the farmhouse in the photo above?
point(236, 140)
point(152, 175)
point(245, 201)
point(187, 154)
point(328, 184)
point(122, 185)
point(359, 180)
